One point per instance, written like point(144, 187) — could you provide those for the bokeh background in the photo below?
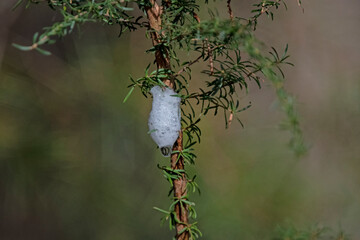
point(77, 163)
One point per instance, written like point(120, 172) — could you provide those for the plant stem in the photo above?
point(162, 58)
point(180, 190)
point(163, 62)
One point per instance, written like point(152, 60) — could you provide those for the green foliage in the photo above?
point(75, 12)
point(229, 46)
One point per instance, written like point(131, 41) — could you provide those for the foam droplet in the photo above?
point(165, 118)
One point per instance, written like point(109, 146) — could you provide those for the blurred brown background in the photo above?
point(76, 163)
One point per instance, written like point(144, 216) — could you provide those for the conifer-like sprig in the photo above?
point(233, 59)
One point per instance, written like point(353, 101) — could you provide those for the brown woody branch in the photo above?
point(180, 190)
point(163, 61)
point(230, 10)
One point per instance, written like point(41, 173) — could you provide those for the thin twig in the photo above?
point(195, 61)
point(230, 118)
point(211, 60)
point(209, 50)
point(263, 10)
point(188, 65)
point(197, 18)
point(230, 10)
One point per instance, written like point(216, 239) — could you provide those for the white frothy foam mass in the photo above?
point(165, 116)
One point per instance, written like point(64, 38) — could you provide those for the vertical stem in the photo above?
point(163, 61)
point(162, 58)
point(180, 190)
point(230, 10)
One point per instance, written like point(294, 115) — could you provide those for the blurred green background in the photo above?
point(77, 163)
